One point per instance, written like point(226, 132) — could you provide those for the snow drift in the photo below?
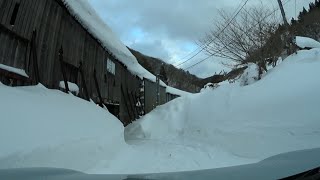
point(48, 128)
point(226, 126)
point(277, 114)
point(305, 42)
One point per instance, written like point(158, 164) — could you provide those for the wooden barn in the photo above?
point(64, 45)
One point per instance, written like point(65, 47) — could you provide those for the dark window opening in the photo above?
point(105, 78)
point(14, 14)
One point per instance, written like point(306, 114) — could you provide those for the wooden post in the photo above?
point(283, 13)
point(97, 87)
point(66, 86)
point(83, 82)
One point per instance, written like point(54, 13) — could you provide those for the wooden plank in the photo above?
point(5, 43)
point(37, 18)
point(125, 102)
point(3, 7)
point(13, 57)
point(36, 8)
point(73, 43)
point(8, 51)
point(20, 16)
point(51, 37)
point(7, 12)
point(28, 14)
point(42, 45)
point(54, 42)
point(56, 76)
point(97, 87)
point(84, 85)
point(1, 2)
point(35, 57)
point(2, 36)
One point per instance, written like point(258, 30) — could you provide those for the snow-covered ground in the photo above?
point(48, 128)
point(242, 124)
point(229, 125)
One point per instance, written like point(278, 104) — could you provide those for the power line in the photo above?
point(276, 9)
point(235, 13)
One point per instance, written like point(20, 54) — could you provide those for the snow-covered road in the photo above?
point(168, 156)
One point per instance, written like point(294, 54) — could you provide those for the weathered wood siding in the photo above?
point(56, 28)
point(171, 97)
point(150, 95)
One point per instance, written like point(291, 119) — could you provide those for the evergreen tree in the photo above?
point(311, 6)
point(302, 14)
point(163, 75)
point(317, 3)
point(293, 21)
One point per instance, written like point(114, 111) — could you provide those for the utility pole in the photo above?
point(283, 13)
point(287, 36)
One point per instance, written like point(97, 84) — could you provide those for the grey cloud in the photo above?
point(169, 21)
point(149, 48)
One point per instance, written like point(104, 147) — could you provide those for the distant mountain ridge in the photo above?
point(177, 78)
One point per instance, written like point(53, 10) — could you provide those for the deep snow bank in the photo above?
point(48, 128)
point(277, 114)
point(304, 42)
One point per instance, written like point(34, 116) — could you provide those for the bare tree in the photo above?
point(241, 37)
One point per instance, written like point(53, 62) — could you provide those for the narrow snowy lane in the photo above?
point(167, 156)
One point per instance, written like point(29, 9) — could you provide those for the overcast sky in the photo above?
point(168, 29)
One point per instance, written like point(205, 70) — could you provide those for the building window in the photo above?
point(111, 67)
point(14, 14)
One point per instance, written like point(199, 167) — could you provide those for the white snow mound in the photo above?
point(277, 114)
point(305, 42)
point(48, 128)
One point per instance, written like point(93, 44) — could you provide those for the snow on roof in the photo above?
point(88, 18)
point(304, 42)
point(175, 91)
point(14, 70)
